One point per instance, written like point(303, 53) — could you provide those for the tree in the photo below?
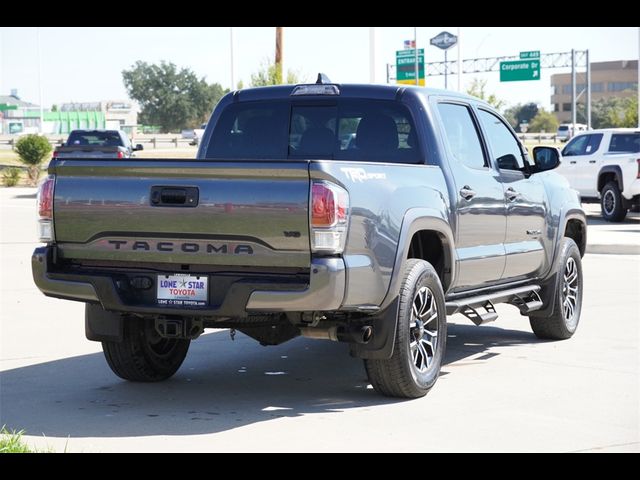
point(521, 113)
point(171, 98)
point(614, 112)
point(543, 122)
point(32, 150)
point(270, 75)
point(477, 89)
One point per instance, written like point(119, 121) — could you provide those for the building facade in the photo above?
point(18, 116)
point(608, 79)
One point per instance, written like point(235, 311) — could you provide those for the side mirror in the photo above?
point(546, 158)
point(138, 147)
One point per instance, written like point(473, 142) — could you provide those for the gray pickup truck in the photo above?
point(96, 144)
point(356, 213)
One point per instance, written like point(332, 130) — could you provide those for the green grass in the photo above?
point(11, 442)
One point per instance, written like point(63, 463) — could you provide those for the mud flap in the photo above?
point(384, 334)
point(100, 325)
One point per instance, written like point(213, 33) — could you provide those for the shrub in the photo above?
point(32, 150)
point(11, 176)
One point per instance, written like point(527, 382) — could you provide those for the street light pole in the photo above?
point(233, 83)
point(573, 91)
point(279, 54)
point(372, 55)
point(415, 50)
point(459, 63)
point(40, 82)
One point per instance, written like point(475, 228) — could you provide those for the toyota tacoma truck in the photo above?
point(279, 228)
point(97, 144)
point(604, 167)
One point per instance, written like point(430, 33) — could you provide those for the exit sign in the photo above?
point(529, 55)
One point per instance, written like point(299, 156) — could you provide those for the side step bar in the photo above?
point(525, 298)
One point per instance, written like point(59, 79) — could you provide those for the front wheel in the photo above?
point(567, 297)
point(143, 355)
point(421, 335)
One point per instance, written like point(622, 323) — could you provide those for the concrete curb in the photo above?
point(617, 249)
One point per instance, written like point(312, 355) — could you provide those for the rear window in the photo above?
point(625, 142)
point(562, 128)
point(346, 129)
point(99, 139)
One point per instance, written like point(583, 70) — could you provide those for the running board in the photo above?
point(526, 299)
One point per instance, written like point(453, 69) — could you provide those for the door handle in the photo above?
point(572, 162)
point(467, 193)
point(511, 194)
point(592, 161)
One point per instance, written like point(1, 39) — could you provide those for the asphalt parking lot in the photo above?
point(501, 389)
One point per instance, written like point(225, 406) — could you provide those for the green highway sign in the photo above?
point(406, 66)
point(4, 107)
point(529, 55)
point(519, 70)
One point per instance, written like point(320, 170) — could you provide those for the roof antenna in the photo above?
point(322, 79)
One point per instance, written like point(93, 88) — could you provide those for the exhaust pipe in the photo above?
point(360, 335)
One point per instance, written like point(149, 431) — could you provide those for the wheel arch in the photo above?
point(608, 173)
point(426, 227)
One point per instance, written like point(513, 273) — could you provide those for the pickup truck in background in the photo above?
point(604, 166)
point(281, 228)
point(96, 144)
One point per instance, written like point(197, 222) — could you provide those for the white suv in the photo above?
point(604, 166)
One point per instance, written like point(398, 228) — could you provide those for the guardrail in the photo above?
point(148, 141)
point(538, 136)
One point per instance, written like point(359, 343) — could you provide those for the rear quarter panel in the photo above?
point(380, 196)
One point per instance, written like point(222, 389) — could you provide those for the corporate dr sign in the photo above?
point(519, 70)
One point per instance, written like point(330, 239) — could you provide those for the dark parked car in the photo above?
point(97, 144)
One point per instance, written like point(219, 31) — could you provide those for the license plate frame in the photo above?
point(182, 290)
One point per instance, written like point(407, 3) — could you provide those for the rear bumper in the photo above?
point(324, 290)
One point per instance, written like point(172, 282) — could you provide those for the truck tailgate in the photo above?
point(240, 213)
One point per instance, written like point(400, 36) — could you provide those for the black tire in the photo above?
point(564, 321)
point(405, 375)
point(612, 203)
point(144, 356)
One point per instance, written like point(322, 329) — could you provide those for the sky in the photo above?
point(84, 64)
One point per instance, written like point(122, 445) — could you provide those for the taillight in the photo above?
point(120, 154)
point(329, 217)
point(638, 174)
point(55, 153)
point(45, 209)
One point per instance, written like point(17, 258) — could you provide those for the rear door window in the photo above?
point(625, 142)
point(462, 135)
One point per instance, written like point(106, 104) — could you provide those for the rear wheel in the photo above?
point(567, 297)
point(143, 355)
point(612, 203)
point(421, 335)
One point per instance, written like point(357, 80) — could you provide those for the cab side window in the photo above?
point(504, 146)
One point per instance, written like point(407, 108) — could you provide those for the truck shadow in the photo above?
point(221, 386)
